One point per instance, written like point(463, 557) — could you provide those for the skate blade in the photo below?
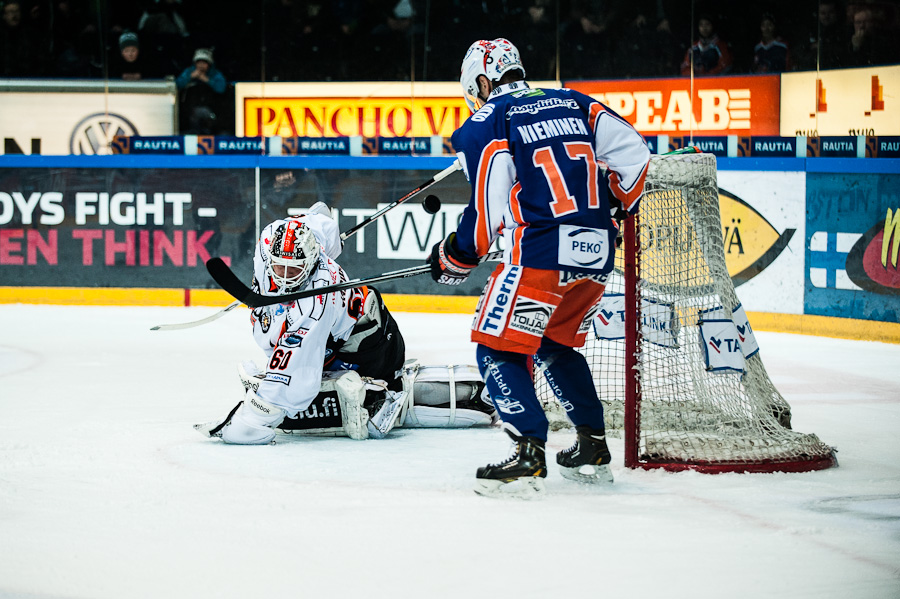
point(527, 487)
point(204, 429)
point(592, 475)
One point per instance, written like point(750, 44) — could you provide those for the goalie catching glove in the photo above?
point(448, 267)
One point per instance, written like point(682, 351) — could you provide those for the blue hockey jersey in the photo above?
point(533, 158)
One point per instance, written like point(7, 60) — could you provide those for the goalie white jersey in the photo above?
point(295, 336)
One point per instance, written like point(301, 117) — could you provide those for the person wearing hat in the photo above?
point(201, 87)
point(130, 64)
point(202, 71)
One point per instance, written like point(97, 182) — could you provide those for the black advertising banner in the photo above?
point(156, 227)
point(401, 238)
point(75, 227)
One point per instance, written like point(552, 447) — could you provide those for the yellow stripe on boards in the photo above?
point(803, 324)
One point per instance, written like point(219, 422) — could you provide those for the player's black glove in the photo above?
point(447, 266)
point(618, 213)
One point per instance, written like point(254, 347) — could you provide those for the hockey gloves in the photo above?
point(447, 266)
point(618, 214)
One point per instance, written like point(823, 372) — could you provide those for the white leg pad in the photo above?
point(428, 417)
point(254, 422)
point(436, 396)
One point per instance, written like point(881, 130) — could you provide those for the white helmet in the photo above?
point(491, 58)
point(295, 251)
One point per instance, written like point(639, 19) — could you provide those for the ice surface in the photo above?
point(107, 492)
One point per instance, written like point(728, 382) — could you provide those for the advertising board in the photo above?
point(841, 102)
point(82, 117)
point(718, 105)
point(763, 230)
point(853, 246)
point(372, 109)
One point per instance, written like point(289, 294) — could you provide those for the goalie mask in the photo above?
point(292, 255)
point(491, 58)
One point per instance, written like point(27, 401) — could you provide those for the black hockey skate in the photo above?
point(522, 474)
point(588, 460)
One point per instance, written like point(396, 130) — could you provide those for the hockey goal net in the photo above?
point(674, 359)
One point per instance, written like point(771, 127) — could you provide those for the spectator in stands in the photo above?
point(646, 47)
point(17, 49)
point(165, 32)
point(201, 88)
point(829, 40)
point(771, 54)
point(868, 46)
point(589, 34)
point(130, 64)
point(710, 54)
point(536, 32)
point(76, 42)
point(391, 40)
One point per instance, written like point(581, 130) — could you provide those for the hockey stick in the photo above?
point(196, 323)
point(431, 205)
point(236, 288)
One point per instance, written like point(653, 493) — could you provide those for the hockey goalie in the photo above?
point(336, 362)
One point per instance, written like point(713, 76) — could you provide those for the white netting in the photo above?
point(689, 414)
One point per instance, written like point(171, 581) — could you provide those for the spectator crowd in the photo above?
point(207, 44)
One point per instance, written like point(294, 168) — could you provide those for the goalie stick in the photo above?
point(431, 204)
point(226, 279)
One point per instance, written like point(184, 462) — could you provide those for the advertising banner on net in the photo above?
point(841, 102)
point(82, 120)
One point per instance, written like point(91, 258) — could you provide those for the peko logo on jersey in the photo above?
point(583, 247)
point(496, 307)
point(530, 316)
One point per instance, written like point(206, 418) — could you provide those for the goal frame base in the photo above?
point(739, 468)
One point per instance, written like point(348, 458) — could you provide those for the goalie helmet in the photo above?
point(491, 58)
point(292, 255)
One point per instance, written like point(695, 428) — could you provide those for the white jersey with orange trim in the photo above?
point(295, 336)
point(533, 158)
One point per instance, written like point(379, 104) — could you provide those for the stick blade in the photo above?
point(227, 280)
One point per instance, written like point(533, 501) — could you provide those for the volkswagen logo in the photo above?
point(94, 133)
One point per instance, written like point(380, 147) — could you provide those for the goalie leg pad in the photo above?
point(250, 374)
point(351, 392)
point(445, 397)
point(251, 422)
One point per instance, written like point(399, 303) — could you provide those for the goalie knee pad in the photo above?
point(444, 397)
point(351, 392)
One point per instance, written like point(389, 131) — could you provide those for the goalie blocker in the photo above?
point(360, 407)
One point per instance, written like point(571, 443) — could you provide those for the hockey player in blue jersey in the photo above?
point(534, 160)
